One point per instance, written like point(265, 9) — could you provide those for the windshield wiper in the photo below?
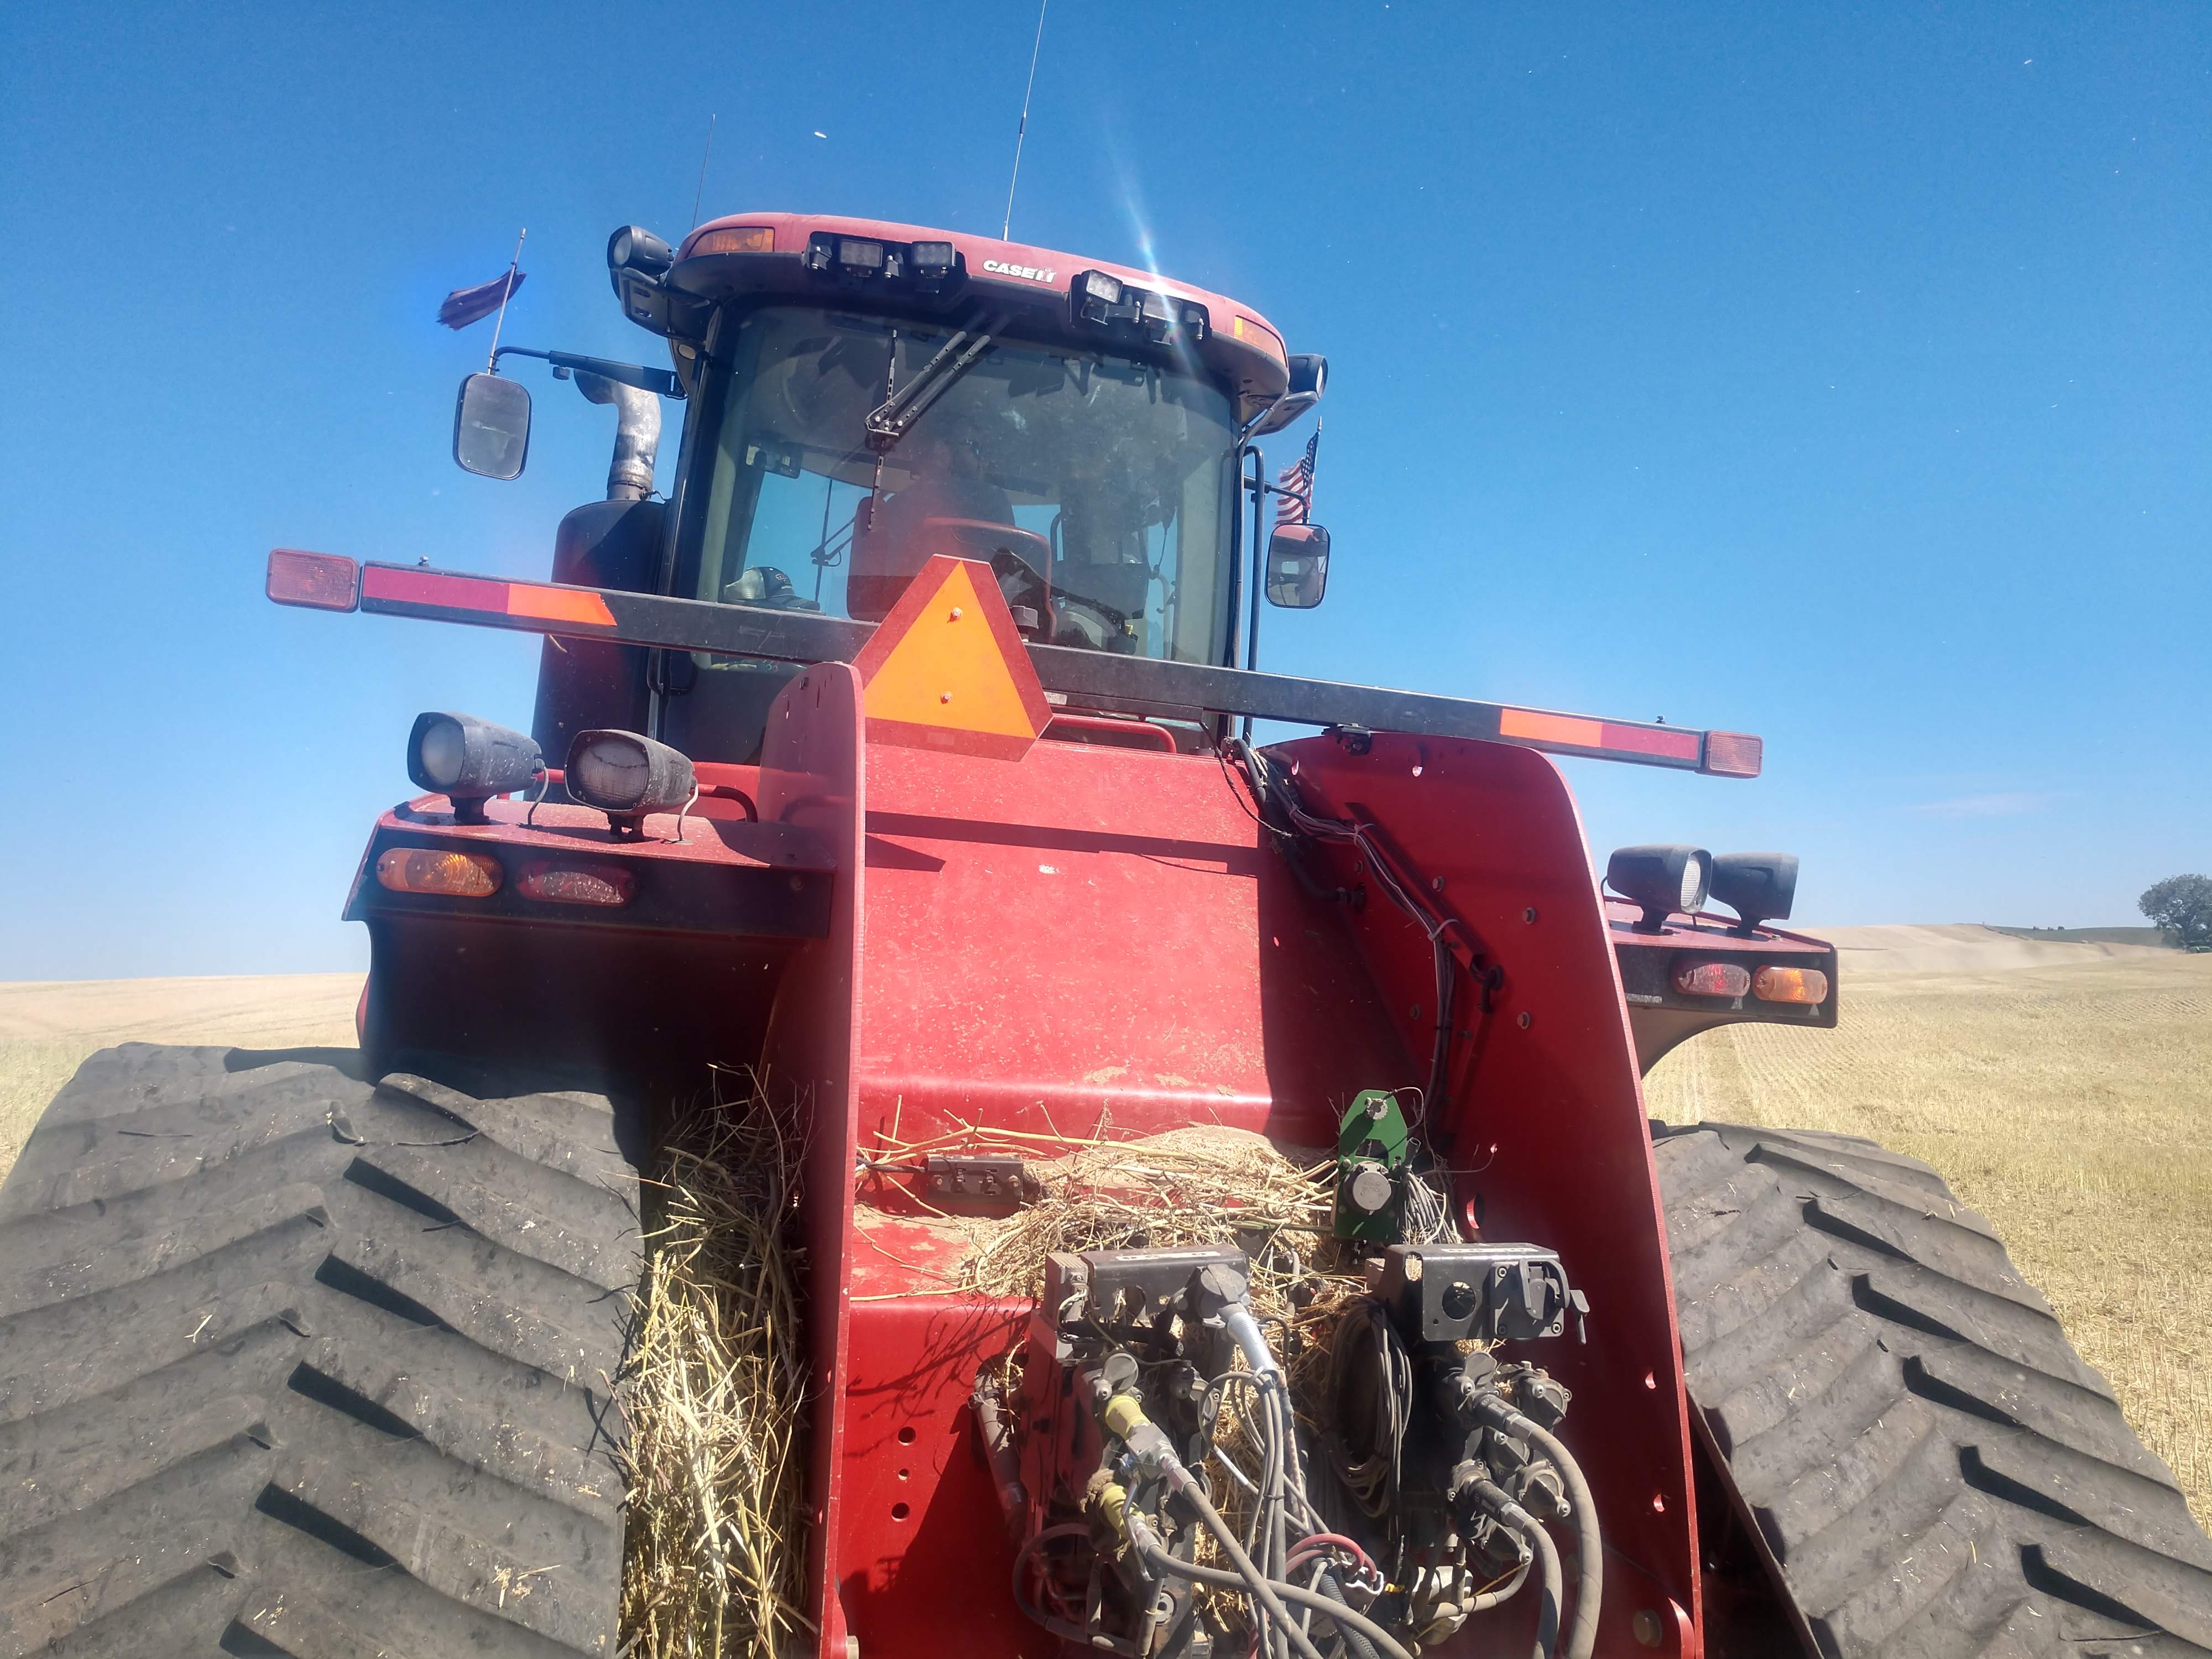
point(888, 422)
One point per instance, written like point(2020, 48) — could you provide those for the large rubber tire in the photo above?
point(293, 1364)
point(1935, 1470)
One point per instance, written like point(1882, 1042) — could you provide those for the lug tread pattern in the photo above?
point(290, 1363)
point(1936, 1471)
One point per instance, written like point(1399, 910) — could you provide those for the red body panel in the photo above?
point(1095, 937)
point(1034, 958)
point(812, 777)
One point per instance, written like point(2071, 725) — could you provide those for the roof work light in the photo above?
point(1106, 302)
point(1662, 878)
point(469, 761)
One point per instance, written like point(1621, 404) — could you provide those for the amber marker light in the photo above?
point(733, 239)
point(318, 581)
point(1806, 985)
point(576, 883)
point(437, 874)
point(1712, 979)
point(1733, 755)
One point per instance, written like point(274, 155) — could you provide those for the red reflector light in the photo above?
point(576, 883)
point(1807, 985)
point(320, 581)
point(1712, 979)
point(1733, 754)
point(442, 874)
point(734, 238)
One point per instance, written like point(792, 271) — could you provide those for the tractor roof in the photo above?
point(718, 261)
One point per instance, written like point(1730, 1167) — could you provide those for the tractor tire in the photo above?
point(290, 1364)
point(1932, 1468)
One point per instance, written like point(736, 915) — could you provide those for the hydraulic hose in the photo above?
point(1346, 1619)
point(1354, 1637)
point(1589, 1582)
point(1551, 1587)
point(1268, 1595)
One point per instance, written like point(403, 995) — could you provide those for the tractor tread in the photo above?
point(1935, 1470)
point(292, 1363)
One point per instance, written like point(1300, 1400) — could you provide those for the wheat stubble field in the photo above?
point(2065, 1090)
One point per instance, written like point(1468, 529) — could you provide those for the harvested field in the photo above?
point(2065, 1091)
point(47, 1030)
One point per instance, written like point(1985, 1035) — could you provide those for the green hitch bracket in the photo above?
point(1372, 1148)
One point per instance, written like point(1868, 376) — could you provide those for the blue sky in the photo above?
point(1837, 377)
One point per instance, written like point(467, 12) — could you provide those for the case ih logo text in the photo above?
point(1027, 273)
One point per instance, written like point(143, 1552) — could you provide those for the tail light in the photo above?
point(576, 883)
point(1806, 985)
point(439, 874)
point(1713, 979)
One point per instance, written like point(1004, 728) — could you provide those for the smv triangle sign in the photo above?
point(947, 669)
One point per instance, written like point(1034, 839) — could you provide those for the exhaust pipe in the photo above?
point(637, 435)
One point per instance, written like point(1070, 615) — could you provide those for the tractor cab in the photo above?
point(860, 397)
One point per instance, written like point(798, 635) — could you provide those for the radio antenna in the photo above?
point(1022, 131)
point(699, 195)
point(505, 293)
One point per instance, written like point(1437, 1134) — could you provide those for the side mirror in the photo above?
point(1307, 379)
point(1298, 566)
point(491, 427)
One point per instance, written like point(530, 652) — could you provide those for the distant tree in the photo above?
point(2183, 906)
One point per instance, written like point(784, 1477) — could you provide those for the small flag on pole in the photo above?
point(465, 305)
point(1295, 504)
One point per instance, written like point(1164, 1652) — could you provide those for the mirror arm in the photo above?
point(661, 381)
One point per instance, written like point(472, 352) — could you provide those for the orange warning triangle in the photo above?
point(947, 669)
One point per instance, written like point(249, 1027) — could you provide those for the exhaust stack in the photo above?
point(637, 435)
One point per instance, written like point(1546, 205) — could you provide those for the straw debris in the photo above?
point(716, 1555)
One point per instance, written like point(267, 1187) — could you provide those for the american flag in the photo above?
point(465, 305)
point(1295, 505)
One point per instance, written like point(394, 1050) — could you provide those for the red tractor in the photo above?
point(901, 758)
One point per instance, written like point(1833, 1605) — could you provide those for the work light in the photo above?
point(626, 776)
point(1757, 886)
point(1663, 879)
point(468, 760)
point(635, 248)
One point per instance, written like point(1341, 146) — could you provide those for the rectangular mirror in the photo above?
point(1298, 566)
point(491, 427)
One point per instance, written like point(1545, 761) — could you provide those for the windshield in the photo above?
point(1099, 488)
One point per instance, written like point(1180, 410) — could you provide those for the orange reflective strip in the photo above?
point(567, 604)
point(1551, 728)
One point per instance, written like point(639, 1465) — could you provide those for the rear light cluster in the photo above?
point(1808, 986)
point(441, 872)
point(469, 761)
